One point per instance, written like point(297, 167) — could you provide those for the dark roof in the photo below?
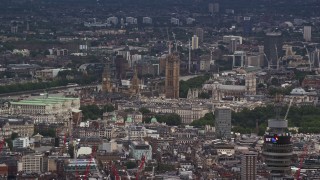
point(14, 121)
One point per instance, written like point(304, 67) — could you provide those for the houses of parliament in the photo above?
point(172, 73)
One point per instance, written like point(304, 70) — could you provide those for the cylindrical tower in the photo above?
point(277, 148)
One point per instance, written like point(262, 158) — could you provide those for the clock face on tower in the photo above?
point(104, 79)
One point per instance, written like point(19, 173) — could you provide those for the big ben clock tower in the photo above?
point(106, 80)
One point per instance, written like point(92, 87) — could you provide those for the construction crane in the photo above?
point(277, 56)
point(115, 172)
point(175, 41)
point(88, 165)
point(301, 161)
point(169, 42)
point(267, 60)
point(2, 144)
point(3, 140)
point(285, 117)
point(143, 159)
point(189, 62)
point(310, 63)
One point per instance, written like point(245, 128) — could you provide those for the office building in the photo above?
point(21, 142)
point(223, 122)
point(147, 20)
point(172, 76)
point(233, 45)
point(112, 20)
point(249, 166)
point(32, 163)
point(80, 166)
point(131, 20)
point(139, 149)
point(23, 126)
point(175, 21)
point(14, 29)
point(273, 48)
point(307, 33)
point(199, 33)
point(247, 26)
point(238, 58)
point(227, 39)
point(195, 42)
point(210, 8)
point(213, 8)
point(190, 20)
point(277, 148)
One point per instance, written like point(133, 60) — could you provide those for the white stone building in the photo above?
point(46, 110)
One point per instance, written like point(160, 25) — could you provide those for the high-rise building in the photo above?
point(249, 166)
point(211, 8)
point(106, 79)
point(199, 33)
point(233, 45)
point(273, 48)
point(277, 148)
point(307, 33)
point(14, 29)
point(223, 122)
point(195, 42)
point(172, 76)
point(247, 26)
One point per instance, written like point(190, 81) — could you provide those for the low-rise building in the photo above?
point(32, 163)
point(47, 74)
point(139, 149)
point(311, 81)
point(21, 142)
point(24, 127)
point(46, 110)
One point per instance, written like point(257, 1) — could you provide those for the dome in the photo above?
point(129, 119)
point(298, 91)
point(114, 118)
point(154, 120)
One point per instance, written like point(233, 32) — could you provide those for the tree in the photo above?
point(169, 119)
point(14, 136)
point(208, 119)
point(195, 82)
point(91, 112)
point(108, 108)
point(144, 110)
point(51, 132)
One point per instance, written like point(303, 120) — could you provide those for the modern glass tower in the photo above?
point(277, 148)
